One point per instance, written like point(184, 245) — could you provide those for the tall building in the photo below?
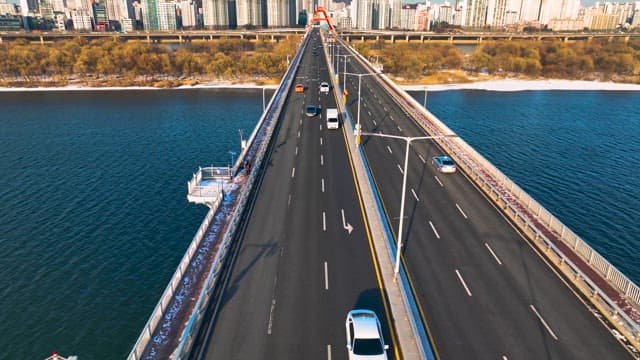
point(215, 13)
point(362, 12)
point(396, 14)
point(277, 13)
point(476, 13)
point(187, 13)
point(496, 12)
point(150, 14)
point(249, 12)
point(166, 15)
point(408, 16)
point(445, 14)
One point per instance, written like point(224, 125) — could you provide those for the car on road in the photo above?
point(299, 88)
point(444, 164)
point(364, 336)
point(311, 110)
point(324, 87)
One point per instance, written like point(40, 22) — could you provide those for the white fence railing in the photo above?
point(534, 217)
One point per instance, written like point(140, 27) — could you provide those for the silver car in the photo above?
point(364, 336)
point(444, 164)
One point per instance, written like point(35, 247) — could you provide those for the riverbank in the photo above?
point(488, 85)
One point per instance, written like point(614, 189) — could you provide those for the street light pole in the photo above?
point(408, 140)
point(358, 127)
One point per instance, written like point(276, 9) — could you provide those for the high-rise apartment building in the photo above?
point(476, 13)
point(249, 12)
point(496, 11)
point(362, 12)
point(277, 13)
point(396, 14)
point(408, 16)
point(187, 10)
point(150, 14)
point(215, 13)
point(166, 15)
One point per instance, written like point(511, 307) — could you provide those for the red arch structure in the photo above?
point(321, 10)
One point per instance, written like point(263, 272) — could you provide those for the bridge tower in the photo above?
point(325, 17)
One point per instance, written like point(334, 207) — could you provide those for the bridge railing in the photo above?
point(256, 149)
point(622, 304)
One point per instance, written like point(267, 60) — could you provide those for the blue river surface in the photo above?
point(94, 217)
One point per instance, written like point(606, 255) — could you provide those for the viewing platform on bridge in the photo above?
point(207, 185)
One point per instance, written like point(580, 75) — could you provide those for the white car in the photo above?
point(364, 336)
point(444, 164)
point(324, 87)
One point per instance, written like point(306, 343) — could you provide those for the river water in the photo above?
point(94, 216)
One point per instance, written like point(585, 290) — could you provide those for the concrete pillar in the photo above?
point(393, 39)
point(451, 39)
point(406, 38)
point(41, 40)
point(362, 38)
point(148, 39)
point(626, 39)
point(180, 39)
point(566, 39)
point(610, 39)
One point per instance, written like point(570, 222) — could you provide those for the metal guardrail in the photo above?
point(534, 217)
point(194, 322)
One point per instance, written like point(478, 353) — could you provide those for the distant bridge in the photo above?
point(276, 35)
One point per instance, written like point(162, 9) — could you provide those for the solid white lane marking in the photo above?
point(322, 160)
point(434, 230)
point(322, 184)
point(273, 307)
point(492, 253)
point(439, 182)
point(463, 283)
point(328, 352)
point(326, 276)
point(388, 148)
point(543, 322)
point(320, 140)
point(461, 212)
point(414, 195)
point(324, 221)
point(423, 160)
point(293, 173)
point(400, 168)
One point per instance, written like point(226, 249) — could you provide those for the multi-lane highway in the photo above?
point(304, 257)
point(483, 291)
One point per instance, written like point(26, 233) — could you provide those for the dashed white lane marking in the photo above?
point(328, 352)
point(390, 117)
point(461, 212)
point(322, 160)
point(414, 195)
point(439, 182)
point(369, 112)
point(492, 253)
point(300, 121)
point(298, 133)
point(321, 141)
point(399, 129)
point(324, 221)
point(320, 127)
point(434, 230)
point(543, 322)
point(504, 357)
point(388, 148)
point(296, 150)
point(423, 160)
point(374, 122)
point(273, 307)
point(293, 173)
point(385, 109)
point(289, 201)
point(463, 283)
point(400, 168)
point(322, 184)
point(326, 276)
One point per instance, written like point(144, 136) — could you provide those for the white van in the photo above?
point(333, 119)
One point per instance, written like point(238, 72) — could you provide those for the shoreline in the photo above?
point(498, 85)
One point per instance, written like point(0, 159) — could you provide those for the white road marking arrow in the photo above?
point(345, 224)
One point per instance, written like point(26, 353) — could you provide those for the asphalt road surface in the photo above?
point(484, 293)
point(298, 270)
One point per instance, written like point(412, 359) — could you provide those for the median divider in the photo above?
point(413, 341)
